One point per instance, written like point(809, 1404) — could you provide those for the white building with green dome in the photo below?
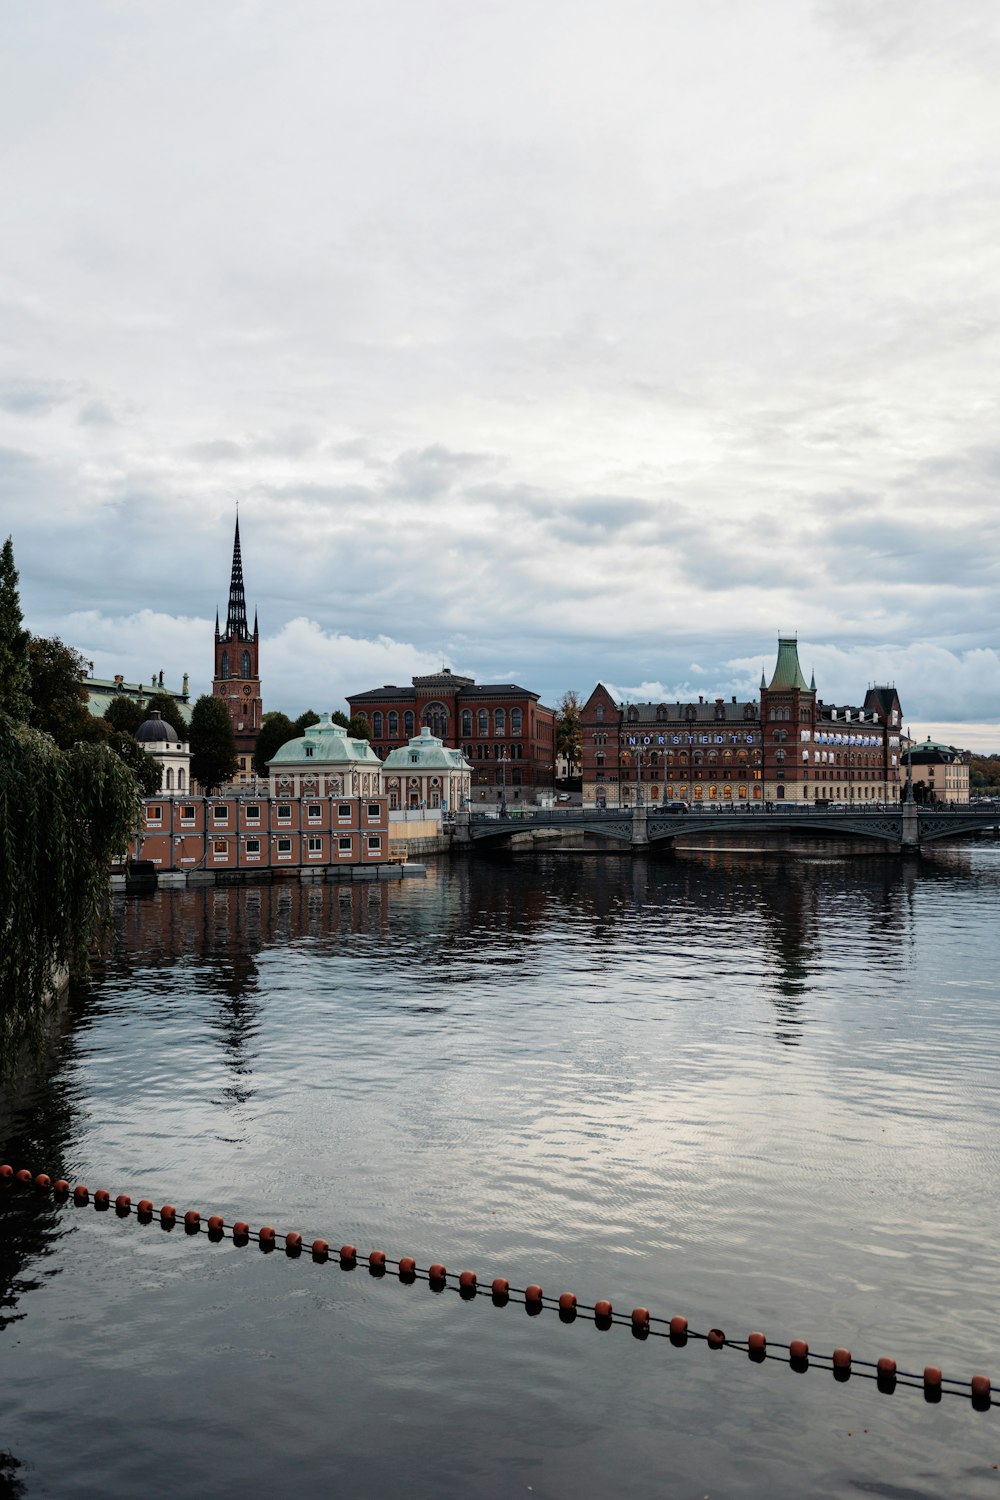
point(426, 773)
point(325, 762)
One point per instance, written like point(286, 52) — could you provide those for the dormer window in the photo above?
point(309, 751)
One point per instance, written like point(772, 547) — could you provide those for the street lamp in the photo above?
point(504, 759)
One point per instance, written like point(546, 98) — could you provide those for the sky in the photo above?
point(553, 342)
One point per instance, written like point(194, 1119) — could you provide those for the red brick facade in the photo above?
point(237, 667)
point(249, 833)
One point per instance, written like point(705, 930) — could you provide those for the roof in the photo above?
point(325, 743)
point(101, 691)
point(705, 711)
point(787, 672)
point(424, 751)
point(156, 731)
point(932, 752)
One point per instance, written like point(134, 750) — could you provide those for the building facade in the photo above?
point(504, 732)
point(787, 746)
point(940, 773)
point(426, 774)
point(237, 667)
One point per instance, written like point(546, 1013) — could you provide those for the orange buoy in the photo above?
point(841, 1359)
point(320, 1251)
point(192, 1221)
point(407, 1268)
point(144, 1209)
point(932, 1375)
point(757, 1343)
point(23, 1176)
point(216, 1224)
point(500, 1290)
point(241, 1232)
point(437, 1272)
point(468, 1285)
point(567, 1302)
point(168, 1216)
point(102, 1199)
point(798, 1349)
point(43, 1182)
point(61, 1188)
point(348, 1256)
point(533, 1293)
point(376, 1263)
point(981, 1388)
point(293, 1242)
point(266, 1237)
point(715, 1338)
point(123, 1203)
point(603, 1309)
point(886, 1366)
point(81, 1194)
point(6, 1172)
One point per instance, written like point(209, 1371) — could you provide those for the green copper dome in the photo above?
point(327, 744)
point(787, 672)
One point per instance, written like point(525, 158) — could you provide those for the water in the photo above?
point(759, 1092)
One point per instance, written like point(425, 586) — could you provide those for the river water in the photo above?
point(761, 1092)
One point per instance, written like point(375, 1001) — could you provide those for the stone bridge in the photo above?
point(903, 827)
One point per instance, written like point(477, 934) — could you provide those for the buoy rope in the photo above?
point(641, 1321)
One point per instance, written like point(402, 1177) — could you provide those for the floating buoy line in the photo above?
point(642, 1323)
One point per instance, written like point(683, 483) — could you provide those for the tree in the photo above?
point(170, 711)
point(58, 697)
point(147, 771)
point(569, 731)
point(276, 730)
point(339, 717)
point(359, 728)
point(307, 720)
point(124, 714)
point(13, 640)
point(213, 748)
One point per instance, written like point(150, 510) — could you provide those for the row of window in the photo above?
point(314, 846)
point(698, 757)
point(493, 752)
point(246, 669)
point(282, 811)
point(435, 716)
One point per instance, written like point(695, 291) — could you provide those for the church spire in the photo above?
point(236, 619)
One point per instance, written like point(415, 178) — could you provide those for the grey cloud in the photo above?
point(32, 398)
point(96, 414)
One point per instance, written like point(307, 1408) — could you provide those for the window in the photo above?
point(284, 812)
point(284, 846)
point(315, 844)
point(374, 843)
point(219, 846)
point(467, 723)
point(154, 814)
point(499, 722)
point(181, 780)
point(374, 810)
point(220, 813)
point(393, 724)
point(187, 814)
point(224, 665)
point(309, 751)
point(344, 811)
point(599, 713)
point(253, 812)
point(345, 845)
point(377, 725)
point(408, 723)
point(484, 721)
point(314, 812)
point(253, 846)
point(170, 778)
point(435, 716)
point(515, 721)
point(247, 670)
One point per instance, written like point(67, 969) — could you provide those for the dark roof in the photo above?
point(706, 712)
point(156, 730)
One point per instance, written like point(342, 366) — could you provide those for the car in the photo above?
point(676, 807)
point(563, 797)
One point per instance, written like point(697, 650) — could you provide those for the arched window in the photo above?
point(180, 780)
point(393, 723)
point(633, 715)
point(435, 716)
point(483, 719)
point(170, 778)
point(466, 723)
point(377, 725)
point(408, 723)
point(245, 665)
point(515, 721)
point(499, 722)
point(224, 665)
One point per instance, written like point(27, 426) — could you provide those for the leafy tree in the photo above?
point(569, 731)
point(13, 640)
point(170, 711)
point(58, 697)
point(306, 721)
point(339, 717)
point(147, 771)
point(275, 730)
point(125, 714)
point(359, 728)
point(213, 748)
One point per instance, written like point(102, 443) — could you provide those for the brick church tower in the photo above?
point(237, 678)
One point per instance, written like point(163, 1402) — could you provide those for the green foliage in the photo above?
point(147, 771)
point(64, 814)
point(339, 717)
point(125, 714)
point(984, 774)
point(569, 731)
point(306, 721)
point(213, 748)
point(170, 712)
point(13, 640)
point(58, 696)
point(359, 728)
point(276, 730)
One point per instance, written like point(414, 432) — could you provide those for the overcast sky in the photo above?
point(560, 341)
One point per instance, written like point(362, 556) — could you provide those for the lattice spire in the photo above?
point(236, 619)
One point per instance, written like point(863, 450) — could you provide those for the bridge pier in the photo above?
point(640, 831)
point(911, 826)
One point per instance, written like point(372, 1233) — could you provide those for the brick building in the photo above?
point(722, 752)
point(506, 734)
point(237, 667)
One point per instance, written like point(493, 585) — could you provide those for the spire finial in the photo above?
point(236, 618)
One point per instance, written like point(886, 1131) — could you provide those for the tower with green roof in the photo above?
point(788, 721)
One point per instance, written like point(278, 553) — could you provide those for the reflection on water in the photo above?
point(762, 1092)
